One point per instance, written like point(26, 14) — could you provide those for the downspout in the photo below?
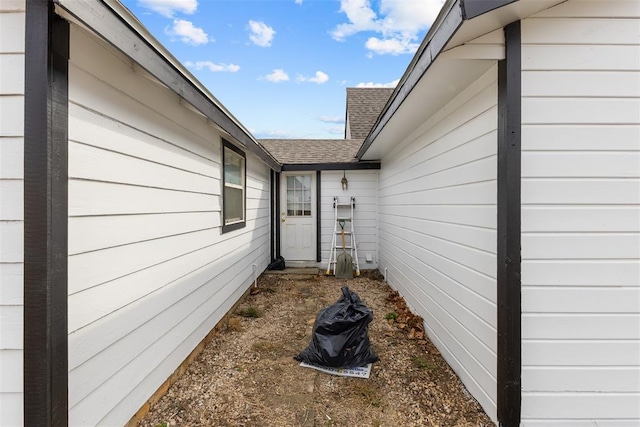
point(509, 380)
point(46, 125)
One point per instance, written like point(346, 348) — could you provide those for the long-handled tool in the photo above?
point(344, 263)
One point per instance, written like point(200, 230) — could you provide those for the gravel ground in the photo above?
point(246, 376)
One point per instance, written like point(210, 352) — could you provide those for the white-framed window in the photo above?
point(233, 187)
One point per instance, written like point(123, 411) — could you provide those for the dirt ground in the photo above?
point(246, 376)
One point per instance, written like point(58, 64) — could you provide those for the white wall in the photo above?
point(437, 210)
point(580, 216)
point(150, 273)
point(12, 24)
point(363, 185)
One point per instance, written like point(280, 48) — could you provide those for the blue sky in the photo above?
point(282, 66)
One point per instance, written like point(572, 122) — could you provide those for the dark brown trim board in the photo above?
point(473, 8)
point(274, 215)
point(238, 225)
point(303, 167)
point(509, 230)
point(318, 218)
point(278, 207)
point(45, 216)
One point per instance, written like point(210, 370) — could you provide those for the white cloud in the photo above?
point(297, 1)
point(199, 65)
point(319, 78)
point(169, 7)
point(361, 18)
point(273, 134)
point(335, 130)
point(398, 22)
point(372, 84)
point(331, 119)
point(261, 33)
point(187, 32)
point(276, 76)
point(390, 46)
point(409, 15)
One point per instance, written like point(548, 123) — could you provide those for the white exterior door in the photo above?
point(298, 217)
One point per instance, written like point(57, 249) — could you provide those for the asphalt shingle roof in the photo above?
point(310, 151)
point(364, 105)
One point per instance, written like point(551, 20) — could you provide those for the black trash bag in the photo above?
point(278, 264)
point(340, 335)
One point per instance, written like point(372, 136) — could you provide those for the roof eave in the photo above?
point(119, 27)
point(451, 17)
point(443, 28)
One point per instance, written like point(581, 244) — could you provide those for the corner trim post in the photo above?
point(509, 369)
point(45, 216)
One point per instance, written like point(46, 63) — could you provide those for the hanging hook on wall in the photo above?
point(344, 182)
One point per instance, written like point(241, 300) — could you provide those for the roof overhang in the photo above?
point(114, 23)
point(290, 167)
point(444, 65)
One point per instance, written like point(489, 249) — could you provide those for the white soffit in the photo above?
point(456, 66)
point(445, 79)
point(498, 18)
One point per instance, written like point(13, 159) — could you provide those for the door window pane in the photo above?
point(299, 195)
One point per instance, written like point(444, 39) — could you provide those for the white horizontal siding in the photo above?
point(150, 272)
point(363, 185)
point(12, 38)
point(583, 57)
point(437, 210)
point(579, 352)
point(11, 409)
point(580, 215)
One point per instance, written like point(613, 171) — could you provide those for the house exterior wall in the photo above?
point(437, 219)
point(12, 41)
point(363, 185)
point(580, 216)
point(150, 273)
